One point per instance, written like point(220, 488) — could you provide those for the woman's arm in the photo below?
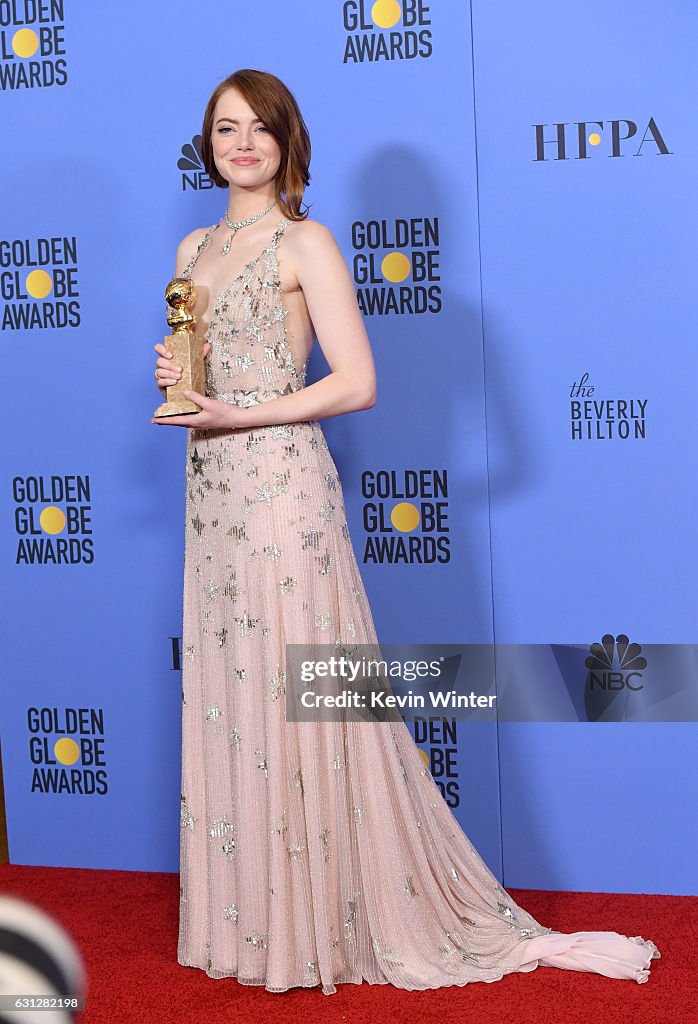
point(331, 299)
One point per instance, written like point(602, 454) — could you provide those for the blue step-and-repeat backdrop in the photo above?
point(513, 187)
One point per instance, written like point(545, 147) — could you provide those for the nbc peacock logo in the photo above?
point(396, 266)
point(191, 164)
point(385, 30)
point(615, 672)
point(32, 44)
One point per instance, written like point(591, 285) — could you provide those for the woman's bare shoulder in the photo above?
point(188, 246)
point(309, 231)
point(311, 238)
point(190, 241)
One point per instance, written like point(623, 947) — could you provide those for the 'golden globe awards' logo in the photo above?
point(405, 516)
point(440, 736)
point(53, 520)
point(396, 265)
point(32, 44)
point(39, 283)
point(66, 748)
point(386, 30)
point(604, 419)
point(580, 140)
point(191, 164)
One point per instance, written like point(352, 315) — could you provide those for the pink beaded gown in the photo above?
point(312, 853)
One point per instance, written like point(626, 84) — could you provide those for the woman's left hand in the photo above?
point(214, 413)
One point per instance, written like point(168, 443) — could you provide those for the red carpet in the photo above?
point(125, 923)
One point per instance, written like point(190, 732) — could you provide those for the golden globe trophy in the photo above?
point(186, 349)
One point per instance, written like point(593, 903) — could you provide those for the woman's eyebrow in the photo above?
point(234, 120)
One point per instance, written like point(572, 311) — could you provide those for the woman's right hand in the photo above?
point(167, 370)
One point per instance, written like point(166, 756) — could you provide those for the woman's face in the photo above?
point(244, 150)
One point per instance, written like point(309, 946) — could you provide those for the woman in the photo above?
point(313, 853)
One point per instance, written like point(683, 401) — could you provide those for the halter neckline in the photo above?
point(204, 242)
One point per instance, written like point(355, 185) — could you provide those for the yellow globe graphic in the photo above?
point(52, 519)
point(594, 138)
point(67, 751)
point(385, 13)
point(395, 267)
point(425, 756)
point(405, 517)
point(38, 284)
point(25, 43)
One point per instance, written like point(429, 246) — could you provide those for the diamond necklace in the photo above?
point(235, 225)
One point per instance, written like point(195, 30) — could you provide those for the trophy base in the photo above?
point(186, 350)
point(181, 408)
